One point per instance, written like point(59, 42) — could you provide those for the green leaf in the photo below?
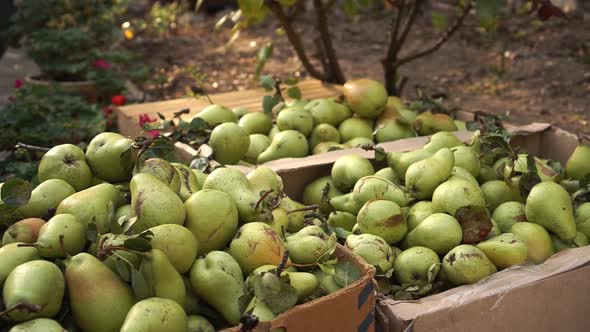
point(531, 164)
point(140, 285)
point(327, 268)
point(475, 223)
point(263, 54)
point(138, 244)
point(527, 182)
point(439, 21)
point(350, 8)
point(123, 269)
point(198, 124)
point(269, 102)
point(244, 301)
point(268, 83)
point(279, 296)
point(15, 193)
point(291, 81)
point(294, 92)
point(488, 13)
point(92, 232)
point(346, 273)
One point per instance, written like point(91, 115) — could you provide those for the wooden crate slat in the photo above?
point(128, 116)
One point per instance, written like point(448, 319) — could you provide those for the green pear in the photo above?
point(229, 142)
point(396, 103)
point(341, 219)
point(256, 123)
point(514, 185)
point(35, 282)
point(163, 171)
point(324, 147)
point(25, 231)
point(461, 125)
point(240, 111)
point(123, 211)
point(373, 249)
point(178, 243)
point(355, 127)
point(348, 169)
point(460, 171)
point(215, 115)
point(455, 193)
point(487, 173)
point(212, 217)
point(441, 140)
point(286, 144)
point(155, 314)
point(200, 177)
point(400, 162)
point(550, 206)
point(365, 97)
point(256, 244)
point(389, 174)
point(323, 133)
point(545, 172)
point(358, 142)
point(263, 178)
point(537, 240)
point(66, 162)
point(418, 212)
point(392, 126)
point(416, 266)
point(47, 195)
point(495, 231)
point(38, 325)
point(165, 281)
point(258, 308)
point(188, 181)
point(382, 218)
point(582, 212)
point(373, 187)
point(96, 204)
point(258, 143)
point(345, 203)
point(304, 283)
point(74, 239)
point(439, 232)
point(579, 241)
point(277, 219)
point(313, 192)
point(217, 279)
point(327, 283)
point(273, 131)
point(424, 176)
point(504, 250)
point(154, 203)
point(196, 323)
point(428, 123)
point(327, 111)
point(111, 157)
point(466, 264)
point(11, 256)
point(235, 184)
point(578, 164)
point(310, 245)
point(295, 219)
point(495, 193)
point(295, 119)
point(98, 299)
point(467, 158)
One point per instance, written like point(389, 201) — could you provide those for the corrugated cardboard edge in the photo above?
point(349, 309)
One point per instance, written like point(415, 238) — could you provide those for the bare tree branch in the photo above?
point(332, 73)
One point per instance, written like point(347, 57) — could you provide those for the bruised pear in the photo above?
point(46, 196)
point(295, 119)
point(373, 187)
point(230, 143)
point(504, 250)
point(416, 266)
point(537, 240)
point(285, 144)
point(258, 143)
point(178, 243)
point(310, 245)
point(373, 249)
point(382, 218)
point(466, 264)
point(327, 111)
point(366, 97)
point(424, 176)
point(163, 171)
point(439, 232)
point(215, 115)
point(155, 314)
point(256, 123)
point(578, 165)
point(441, 140)
point(550, 206)
point(455, 193)
point(400, 162)
point(495, 193)
point(355, 127)
point(256, 244)
point(428, 123)
point(348, 169)
point(25, 231)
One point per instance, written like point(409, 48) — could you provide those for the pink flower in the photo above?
point(101, 64)
point(145, 118)
point(18, 84)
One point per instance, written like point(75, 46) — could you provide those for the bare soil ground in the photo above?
point(546, 75)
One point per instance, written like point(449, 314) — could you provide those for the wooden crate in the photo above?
point(128, 116)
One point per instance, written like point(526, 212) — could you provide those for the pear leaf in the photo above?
point(346, 273)
point(148, 235)
point(269, 102)
point(294, 92)
point(138, 244)
point(341, 233)
point(140, 284)
point(431, 274)
point(128, 224)
point(92, 232)
point(527, 182)
point(277, 295)
point(263, 55)
point(389, 273)
point(199, 163)
point(123, 269)
point(267, 82)
point(291, 81)
point(15, 193)
point(244, 301)
point(198, 124)
point(475, 222)
point(327, 267)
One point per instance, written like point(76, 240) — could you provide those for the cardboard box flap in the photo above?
point(497, 285)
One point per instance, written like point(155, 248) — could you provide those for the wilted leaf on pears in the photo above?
point(92, 232)
point(475, 223)
point(279, 296)
point(138, 244)
point(123, 269)
point(346, 273)
point(527, 182)
point(15, 193)
point(140, 285)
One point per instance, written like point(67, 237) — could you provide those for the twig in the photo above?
point(334, 74)
point(31, 308)
point(266, 193)
point(284, 260)
point(29, 147)
point(307, 208)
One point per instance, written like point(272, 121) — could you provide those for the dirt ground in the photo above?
point(546, 75)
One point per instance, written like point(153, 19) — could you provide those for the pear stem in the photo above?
point(262, 197)
point(62, 245)
point(31, 308)
point(306, 208)
point(281, 266)
point(29, 147)
point(28, 245)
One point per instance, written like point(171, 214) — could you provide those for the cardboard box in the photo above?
point(350, 309)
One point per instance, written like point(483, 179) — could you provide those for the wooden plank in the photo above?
point(128, 116)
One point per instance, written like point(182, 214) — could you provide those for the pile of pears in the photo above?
point(448, 214)
point(363, 115)
point(110, 240)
